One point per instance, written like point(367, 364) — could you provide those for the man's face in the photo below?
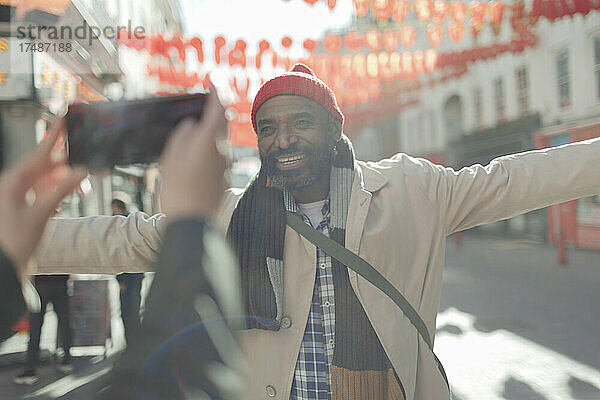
point(295, 141)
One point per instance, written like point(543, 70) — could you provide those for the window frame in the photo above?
point(522, 83)
point(499, 99)
point(563, 80)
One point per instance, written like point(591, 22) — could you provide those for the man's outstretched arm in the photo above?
point(513, 184)
point(99, 244)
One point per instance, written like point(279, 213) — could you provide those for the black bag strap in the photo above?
point(360, 266)
point(366, 270)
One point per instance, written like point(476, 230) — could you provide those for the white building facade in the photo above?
point(559, 79)
point(546, 96)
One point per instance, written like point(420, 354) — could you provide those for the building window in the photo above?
point(499, 99)
point(478, 108)
point(563, 79)
point(597, 65)
point(522, 90)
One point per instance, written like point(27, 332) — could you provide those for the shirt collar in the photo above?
point(292, 206)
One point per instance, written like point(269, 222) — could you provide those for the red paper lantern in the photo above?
point(177, 42)
point(373, 40)
point(458, 11)
point(536, 11)
point(311, 2)
point(440, 9)
point(219, 44)
point(496, 10)
point(562, 9)
point(390, 41)
point(496, 26)
point(372, 65)
point(399, 10)
point(237, 55)
point(455, 31)
point(359, 65)
point(518, 19)
point(395, 64)
point(407, 35)
point(159, 46)
point(332, 43)
point(550, 10)
point(435, 33)
point(310, 45)
point(346, 65)
point(381, 9)
point(263, 46)
point(286, 42)
point(478, 10)
point(583, 7)
point(418, 59)
point(384, 66)
point(331, 4)
point(353, 41)
point(407, 63)
point(431, 60)
point(196, 43)
point(361, 7)
point(423, 9)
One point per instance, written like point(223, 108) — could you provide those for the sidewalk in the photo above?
point(89, 363)
point(514, 325)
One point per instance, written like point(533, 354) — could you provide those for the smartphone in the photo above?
point(102, 135)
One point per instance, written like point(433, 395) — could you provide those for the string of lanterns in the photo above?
point(436, 11)
point(359, 77)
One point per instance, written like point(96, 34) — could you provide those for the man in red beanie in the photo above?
point(313, 327)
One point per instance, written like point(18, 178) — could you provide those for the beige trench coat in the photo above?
point(401, 210)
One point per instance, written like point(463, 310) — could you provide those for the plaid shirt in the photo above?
point(312, 378)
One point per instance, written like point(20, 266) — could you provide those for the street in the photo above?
point(512, 325)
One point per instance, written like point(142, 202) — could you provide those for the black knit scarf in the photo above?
point(361, 369)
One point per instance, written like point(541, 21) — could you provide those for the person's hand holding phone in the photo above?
point(192, 166)
point(29, 194)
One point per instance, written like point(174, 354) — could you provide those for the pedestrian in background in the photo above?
point(51, 289)
point(130, 285)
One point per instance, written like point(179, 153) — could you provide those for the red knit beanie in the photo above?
point(300, 81)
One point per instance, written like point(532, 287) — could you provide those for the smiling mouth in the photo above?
point(291, 161)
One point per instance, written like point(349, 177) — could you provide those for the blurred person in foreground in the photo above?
point(314, 328)
point(185, 347)
point(130, 286)
point(29, 194)
point(174, 354)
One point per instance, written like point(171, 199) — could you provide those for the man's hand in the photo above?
point(192, 166)
point(29, 194)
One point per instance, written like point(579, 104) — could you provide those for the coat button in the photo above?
point(286, 322)
point(270, 391)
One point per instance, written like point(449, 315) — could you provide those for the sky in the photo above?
point(252, 21)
